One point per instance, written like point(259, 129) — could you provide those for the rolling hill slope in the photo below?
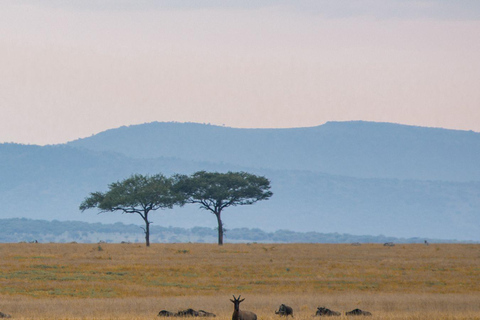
point(355, 149)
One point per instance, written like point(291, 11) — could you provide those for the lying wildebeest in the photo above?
point(322, 311)
point(203, 313)
point(241, 315)
point(389, 244)
point(165, 313)
point(284, 310)
point(187, 313)
point(4, 315)
point(357, 312)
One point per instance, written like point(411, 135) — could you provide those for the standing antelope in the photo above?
point(241, 315)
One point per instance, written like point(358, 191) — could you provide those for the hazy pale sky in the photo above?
point(70, 69)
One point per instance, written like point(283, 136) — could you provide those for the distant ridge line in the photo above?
point(358, 149)
point(330, 122)
point(31, 230)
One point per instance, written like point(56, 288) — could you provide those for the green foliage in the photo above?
point(137, 194)
point(215, 191)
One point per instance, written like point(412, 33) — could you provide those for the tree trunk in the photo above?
point(220, 229)
point(147, 233)
point(147, 228)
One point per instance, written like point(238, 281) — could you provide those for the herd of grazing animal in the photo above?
point(238, 314)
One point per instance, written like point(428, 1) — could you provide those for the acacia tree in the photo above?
point(216, 191)
point(137, 194)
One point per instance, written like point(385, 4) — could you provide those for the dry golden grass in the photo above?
point(120, 281)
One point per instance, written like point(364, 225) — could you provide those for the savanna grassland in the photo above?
point(131, 281)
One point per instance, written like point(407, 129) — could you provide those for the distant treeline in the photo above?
point(27, 230)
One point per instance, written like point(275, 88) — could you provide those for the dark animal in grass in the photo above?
point(4, 315)
point(203, 313)
point(358, 312)
point(284, 310)
point(241, 315)
point(187, 313)
point(322, 312)
point(165, 313)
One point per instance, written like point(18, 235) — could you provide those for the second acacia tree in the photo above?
point(215, 191)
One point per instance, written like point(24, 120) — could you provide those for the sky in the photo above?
point(71, 69)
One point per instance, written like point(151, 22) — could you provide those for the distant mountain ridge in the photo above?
point(50, 182)
point(356, 149)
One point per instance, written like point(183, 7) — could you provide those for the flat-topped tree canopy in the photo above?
point(216, 191)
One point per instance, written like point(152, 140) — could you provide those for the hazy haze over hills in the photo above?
point(347, 177)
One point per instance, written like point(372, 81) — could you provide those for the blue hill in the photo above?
point(355, 149)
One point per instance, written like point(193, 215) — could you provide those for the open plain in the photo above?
point(131, 281)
